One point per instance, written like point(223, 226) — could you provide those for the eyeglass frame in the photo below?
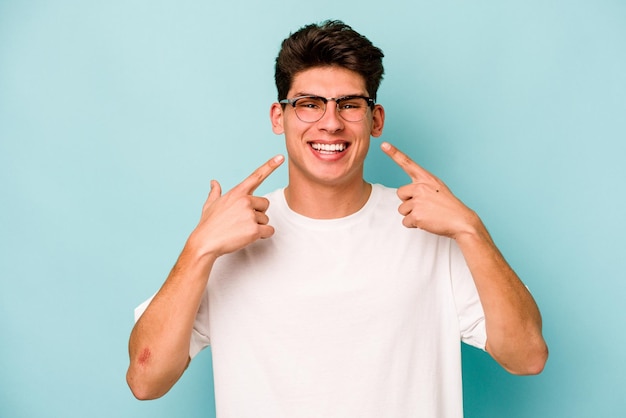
point(371, 102)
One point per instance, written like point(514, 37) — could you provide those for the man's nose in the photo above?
point(331, 120)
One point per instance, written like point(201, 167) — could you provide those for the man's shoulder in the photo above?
point(385, 194)
point(275, 194)
point(386, 190)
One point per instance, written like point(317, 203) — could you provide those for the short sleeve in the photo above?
point(199, 334)
point(469, 309)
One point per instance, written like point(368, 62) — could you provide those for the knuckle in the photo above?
point(258, 176)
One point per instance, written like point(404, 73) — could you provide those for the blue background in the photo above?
point(115, 115)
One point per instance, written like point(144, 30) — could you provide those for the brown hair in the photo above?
point(329, 43)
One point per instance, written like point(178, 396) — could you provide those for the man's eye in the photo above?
point(350, 105)
point(309, 104)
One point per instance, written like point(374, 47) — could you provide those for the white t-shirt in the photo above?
point(353, 317)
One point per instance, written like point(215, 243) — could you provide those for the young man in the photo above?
point(334, 297)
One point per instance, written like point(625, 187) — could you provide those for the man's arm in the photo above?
point(159, 342)
point(512, 318)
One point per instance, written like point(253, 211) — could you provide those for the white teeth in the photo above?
point(328, 147)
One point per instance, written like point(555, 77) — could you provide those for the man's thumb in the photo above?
point(216, 191)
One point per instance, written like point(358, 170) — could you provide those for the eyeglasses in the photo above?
point(312, 108)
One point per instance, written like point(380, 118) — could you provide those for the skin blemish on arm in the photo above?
point(144, 357)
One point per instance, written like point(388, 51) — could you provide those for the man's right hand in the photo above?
point(159, 342)
point(236, 219)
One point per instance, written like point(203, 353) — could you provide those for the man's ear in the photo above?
point(378, 121)
point(276, 116)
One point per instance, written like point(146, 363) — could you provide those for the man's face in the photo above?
point(332, 150)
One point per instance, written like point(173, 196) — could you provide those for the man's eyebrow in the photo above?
point(300, 94)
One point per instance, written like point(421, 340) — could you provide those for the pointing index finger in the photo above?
point(414, 170)
point(254, 180)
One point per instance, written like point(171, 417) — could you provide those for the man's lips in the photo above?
point(326, 148)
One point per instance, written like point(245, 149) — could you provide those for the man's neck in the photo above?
point(319, 201)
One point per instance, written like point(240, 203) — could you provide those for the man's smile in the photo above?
point(325, 148)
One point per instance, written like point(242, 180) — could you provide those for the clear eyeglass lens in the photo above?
point(311, 109)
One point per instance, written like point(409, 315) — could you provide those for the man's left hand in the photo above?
point(427, 203)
